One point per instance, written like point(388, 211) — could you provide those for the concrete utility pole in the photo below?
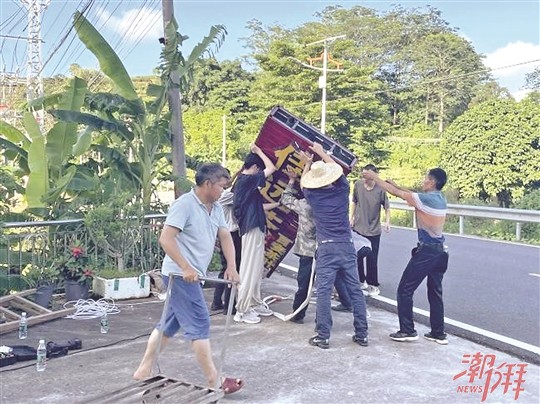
point(223, 141)
point(34, 80)
point(175, 105)
point(325, 57)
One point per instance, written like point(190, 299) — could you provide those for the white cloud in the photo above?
point(511, 55)
point(134, 24)
point(509, 67)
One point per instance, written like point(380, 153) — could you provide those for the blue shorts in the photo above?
point(187, 310)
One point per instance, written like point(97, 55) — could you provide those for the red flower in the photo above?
point(76, 251)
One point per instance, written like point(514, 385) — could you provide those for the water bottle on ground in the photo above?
point(104, 323)
point(41, 363)
point(23, 326)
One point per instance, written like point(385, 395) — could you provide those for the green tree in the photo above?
point(448, 68)
point(493, 151)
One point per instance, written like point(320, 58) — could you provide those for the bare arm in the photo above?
point(387, 186)
point(318, 149)
point(269, 206)
point(227, 247)
point(167, 240)
point(353, 213)
point(391, 182)
point(387, 220)
point(307, 159)
point(270, 168)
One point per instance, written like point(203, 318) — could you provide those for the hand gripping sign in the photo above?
point(281, 138)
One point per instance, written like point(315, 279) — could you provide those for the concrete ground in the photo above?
point(272, 357)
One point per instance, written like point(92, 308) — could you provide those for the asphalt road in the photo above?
point(489, 284)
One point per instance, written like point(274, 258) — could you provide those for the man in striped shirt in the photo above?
point(429, 258)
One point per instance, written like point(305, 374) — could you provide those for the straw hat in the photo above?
point(321, 174)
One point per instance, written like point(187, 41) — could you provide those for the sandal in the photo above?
point(230, 385)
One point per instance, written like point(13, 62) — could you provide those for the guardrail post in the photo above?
point(518, 231)
point(461, 225)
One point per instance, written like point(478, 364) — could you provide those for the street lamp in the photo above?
point(322, 79)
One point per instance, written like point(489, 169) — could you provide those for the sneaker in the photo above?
point(340, 307)
point(360, 341)
point(365, 292)
point(403, 336)
point(262, 310)
point(319, 342)
point(249, 317)
point(363, 285)
point(373, 291)
point(439, 339)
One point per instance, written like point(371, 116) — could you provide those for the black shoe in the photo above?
point(439, 339)
point(216, 306)
point(340, 307)
point(360, 341)
point(319, 342)
point(297, 320)
point(403, 336)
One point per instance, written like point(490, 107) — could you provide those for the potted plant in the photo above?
point(77, 273)
point(115, 229)
point(44, 279)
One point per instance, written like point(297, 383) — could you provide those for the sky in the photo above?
point(505, 32)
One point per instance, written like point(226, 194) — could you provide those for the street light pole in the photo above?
point(322, 79)
point(223, 144)
point(322, 82)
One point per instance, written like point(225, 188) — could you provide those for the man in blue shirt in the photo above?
point(327, 191)
point(429, 259)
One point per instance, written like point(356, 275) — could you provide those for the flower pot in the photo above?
point(76, 290)
point(43, 295)
point(122, 288)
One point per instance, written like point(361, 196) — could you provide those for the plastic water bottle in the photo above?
point(23, 326)
point(41, 362)
point(104, 323)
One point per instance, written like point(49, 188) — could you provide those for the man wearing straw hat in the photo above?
point(327, 191)
point(188, 237)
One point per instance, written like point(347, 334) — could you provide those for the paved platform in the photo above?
point(273, 358)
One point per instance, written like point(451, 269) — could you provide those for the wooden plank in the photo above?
point(28, 306)
point(7, 298)
point(37, 319)
point(10, 315)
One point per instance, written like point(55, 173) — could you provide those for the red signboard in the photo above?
point(280, 138)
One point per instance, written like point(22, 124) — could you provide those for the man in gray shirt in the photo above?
point(368, 197)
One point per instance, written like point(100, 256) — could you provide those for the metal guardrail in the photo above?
point(519, 216)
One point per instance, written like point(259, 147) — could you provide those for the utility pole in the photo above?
point(223, 139)
point(325, 57)
point(175, 105)
point(34, 81)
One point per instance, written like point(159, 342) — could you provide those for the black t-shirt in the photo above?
point(248, 202)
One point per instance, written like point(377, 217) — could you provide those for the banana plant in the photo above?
point(46, 157)
point(123, 115)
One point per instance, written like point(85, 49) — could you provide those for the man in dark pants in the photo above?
point(221, 291)
point(327, 191)
point(429, 259)
point(368, 198)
